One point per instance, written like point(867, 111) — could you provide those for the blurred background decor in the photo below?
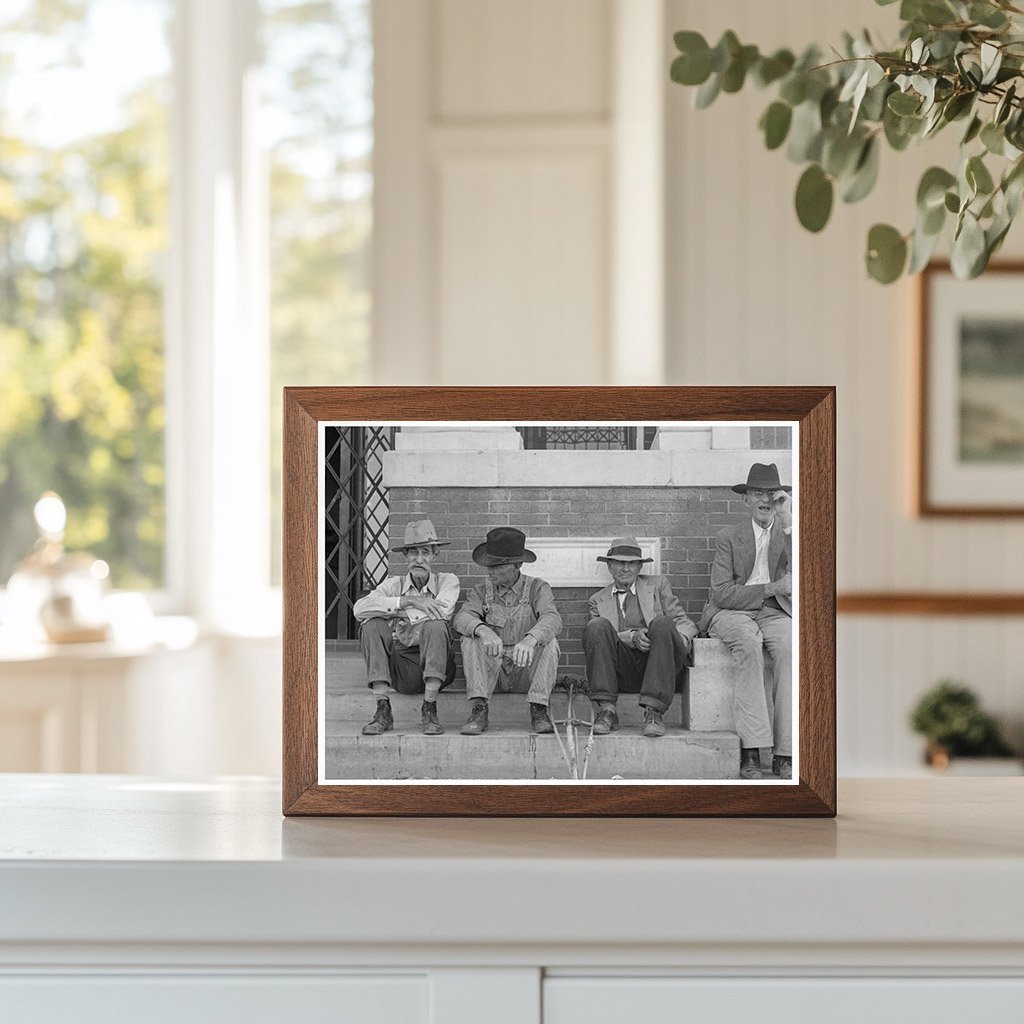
point(950, 717)
point(204, 200)
point(57, 594)
point(971, 393)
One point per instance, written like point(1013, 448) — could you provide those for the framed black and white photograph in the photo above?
point(558, 601)
point(971, 393)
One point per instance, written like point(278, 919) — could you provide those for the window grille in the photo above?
point(603, 438)
point(355, 521)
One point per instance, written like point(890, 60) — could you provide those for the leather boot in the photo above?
point(477, 722)
point(539, 720)
point(750, 763)
point(428, 713)
point(654, 723)
point(606, 721)
point(382, 719)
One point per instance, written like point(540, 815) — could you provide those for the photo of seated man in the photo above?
point(508, 624)
point(750, 610)
point(405, 631)
point(638, 640)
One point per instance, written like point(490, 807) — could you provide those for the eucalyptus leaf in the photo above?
point(771, 69)
point(978, 176)
point(968, 247)
point(931, 190)
point(922, 248)
point(972, 131)
point(814, 194)
point(707, 93)
point(725, 49)
point(993, 138)
point(932, 221)
point(794, 88)
point(886, 253)
point(865, 174)
point(987, 15)
point(775, 123)
point(1004, 106)
point(903, 103)
point(991, 59)
point(805, 133)
point(693, 65)
point(952, 202)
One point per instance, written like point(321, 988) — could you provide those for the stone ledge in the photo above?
point(498, 468)
point(397, 755)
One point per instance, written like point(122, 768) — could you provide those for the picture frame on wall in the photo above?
point(559, 601)
point(970, 384)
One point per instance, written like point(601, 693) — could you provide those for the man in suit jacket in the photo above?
point(638, 640)
point(750, 609)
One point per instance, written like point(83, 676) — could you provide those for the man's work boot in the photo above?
point(382, 719)
point(782, 766)
point(428, 713)
point(654, 724)
point(539, 720)
point(750, 763)
point(607, 720)
point(477, 722)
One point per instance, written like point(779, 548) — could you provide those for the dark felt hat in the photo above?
point(762, 478)
point(503, 544)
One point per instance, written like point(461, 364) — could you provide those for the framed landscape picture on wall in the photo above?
point(970, 450)
point(559, 601)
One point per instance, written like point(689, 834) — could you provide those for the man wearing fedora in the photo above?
point(405, 631)
point(750, 609)
point(638, 640)
point(508, 625)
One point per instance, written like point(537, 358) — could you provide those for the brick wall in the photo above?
point(685, 518)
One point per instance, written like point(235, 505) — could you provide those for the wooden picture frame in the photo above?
point(810, 410)
point(961, 471)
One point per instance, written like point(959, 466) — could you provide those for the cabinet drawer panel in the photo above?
point(569, 1000)
point(202, 999)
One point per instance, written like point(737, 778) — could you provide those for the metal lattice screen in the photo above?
point(355, 521)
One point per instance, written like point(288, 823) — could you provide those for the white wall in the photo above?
point(753, 298)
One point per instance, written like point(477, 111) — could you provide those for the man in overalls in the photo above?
point(508, 625)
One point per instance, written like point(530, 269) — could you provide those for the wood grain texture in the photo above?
point(925, 507)
point(813, 407)
point(925, 603)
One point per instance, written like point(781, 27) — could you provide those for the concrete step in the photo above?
point(505, 709)
point(507, 753)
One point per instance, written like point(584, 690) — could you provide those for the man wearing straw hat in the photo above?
point(750, 609)
point(405, 631)
point(638, 640)
point(508, 625)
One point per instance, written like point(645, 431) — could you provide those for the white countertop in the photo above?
point(125, 859)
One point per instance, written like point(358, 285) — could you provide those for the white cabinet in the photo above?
point(824, 1000)
point(205, 999)
point(129, 898)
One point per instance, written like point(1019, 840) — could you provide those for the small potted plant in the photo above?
point(950, 717)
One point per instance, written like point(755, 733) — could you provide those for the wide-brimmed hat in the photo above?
point(503, 544)
point(624, 549)
point(419, 533)
point(762, 478)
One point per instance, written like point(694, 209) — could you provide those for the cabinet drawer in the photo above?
point(669, 1000)
point(222, 999)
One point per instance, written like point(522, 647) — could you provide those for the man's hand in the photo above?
point(783, 586)
point(491, 641)
point(783, 503)
point(522, 653)
point(421, 602)
point(641, 640)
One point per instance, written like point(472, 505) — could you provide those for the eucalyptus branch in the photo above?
point(834, 116)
